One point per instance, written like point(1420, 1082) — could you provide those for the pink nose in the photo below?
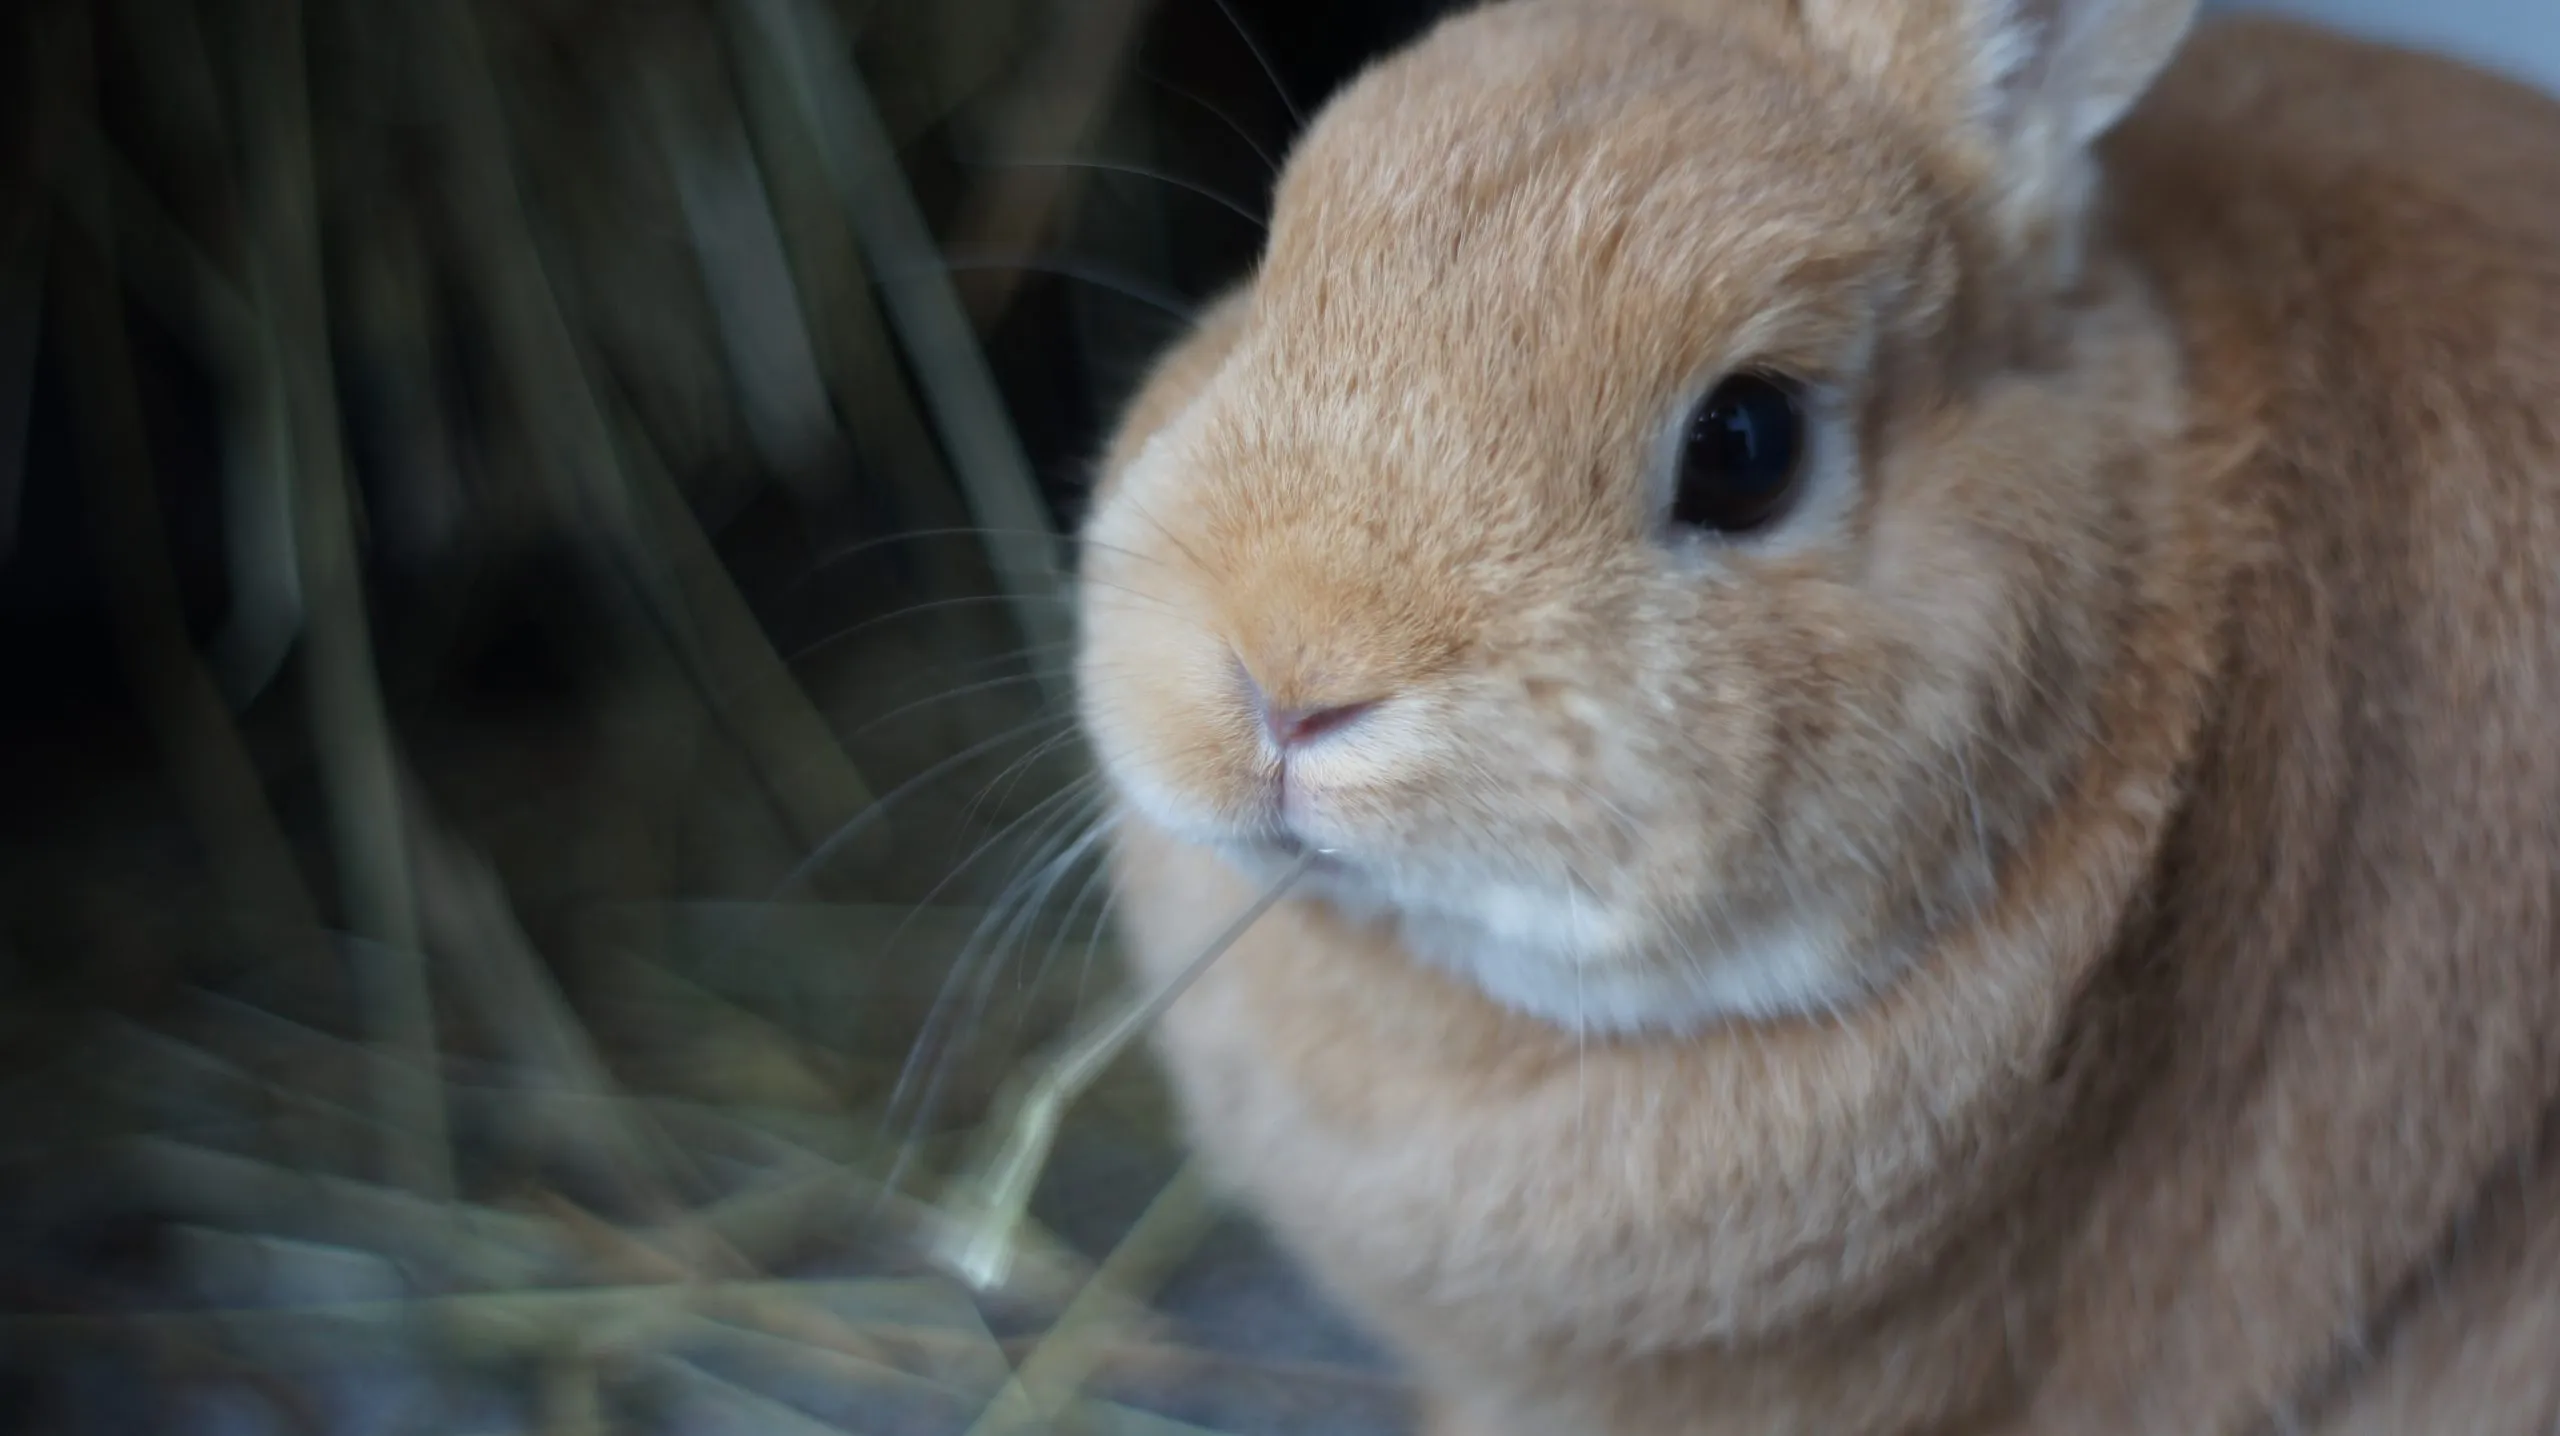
point(1290, 727)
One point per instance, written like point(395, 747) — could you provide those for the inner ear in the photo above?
point(2019, 89)
point(2101, 56)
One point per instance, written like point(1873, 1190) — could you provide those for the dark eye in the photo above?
point(1740, 456)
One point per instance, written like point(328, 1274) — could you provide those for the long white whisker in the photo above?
point(1014, 772)
point(908, 613)
point(1134, 171)
point(1009, 680)
point(1269, 161)
point(831, 557)
point(1137, 291)
point(987, 962)
point(961, 962)
point(861, 821)
point(1102, 826)
point(1093, 941)
point(1269, 71)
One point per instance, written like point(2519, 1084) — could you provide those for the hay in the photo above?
point(587, 1063)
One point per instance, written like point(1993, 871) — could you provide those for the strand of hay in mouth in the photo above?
point(577, 1203)
point(1057, 1369)
point(978, 1244)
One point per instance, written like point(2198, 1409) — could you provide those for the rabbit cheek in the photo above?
point(1156, 700)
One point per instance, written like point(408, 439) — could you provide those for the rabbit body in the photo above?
point(2060, 931)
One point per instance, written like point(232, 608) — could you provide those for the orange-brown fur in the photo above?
point(2196, 1065)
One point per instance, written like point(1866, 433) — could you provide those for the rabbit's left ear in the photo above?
point(2027, 85)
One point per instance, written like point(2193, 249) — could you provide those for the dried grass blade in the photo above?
point(799, 39)
point(1048, 1380)
point(210, 767)
point(1057, 111)
point(349, 729)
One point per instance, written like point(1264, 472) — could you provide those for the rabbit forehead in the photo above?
point(1546, 200)
point(1506, 120)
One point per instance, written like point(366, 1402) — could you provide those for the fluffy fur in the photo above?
point(2060, 936)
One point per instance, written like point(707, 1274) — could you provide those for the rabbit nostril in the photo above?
point(1290, 727)
point(1294, 725)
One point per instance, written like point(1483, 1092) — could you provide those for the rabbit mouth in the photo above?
point(1285, 843)
point(1325, 871)
point(1550, 947)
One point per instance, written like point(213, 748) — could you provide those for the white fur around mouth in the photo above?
point(1577, 966)
point(1795, 970)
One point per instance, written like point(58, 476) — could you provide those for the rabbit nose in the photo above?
point(1290, 727)
point(1296, 725)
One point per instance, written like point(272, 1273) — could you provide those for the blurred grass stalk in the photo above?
point(797, 41)
point(348, 727)
point(649, 530)
point(217, 781)
point(824, 289)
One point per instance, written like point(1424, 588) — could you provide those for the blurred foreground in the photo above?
point(539, 807)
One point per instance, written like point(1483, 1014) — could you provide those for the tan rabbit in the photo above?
point(1930, 702)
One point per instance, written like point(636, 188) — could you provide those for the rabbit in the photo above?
point(1908, 656)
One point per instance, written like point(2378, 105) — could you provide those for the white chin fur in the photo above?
point(1800, 969)
point(1548, 957)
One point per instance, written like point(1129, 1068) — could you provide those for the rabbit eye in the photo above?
point(1740, 455)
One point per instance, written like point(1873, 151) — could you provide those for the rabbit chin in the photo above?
point(1507, 948)
point(1568, 959)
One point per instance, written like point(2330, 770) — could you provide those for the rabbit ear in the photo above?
point(2028, 85)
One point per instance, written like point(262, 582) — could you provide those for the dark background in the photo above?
point(1066, 351)
point(185, 956)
